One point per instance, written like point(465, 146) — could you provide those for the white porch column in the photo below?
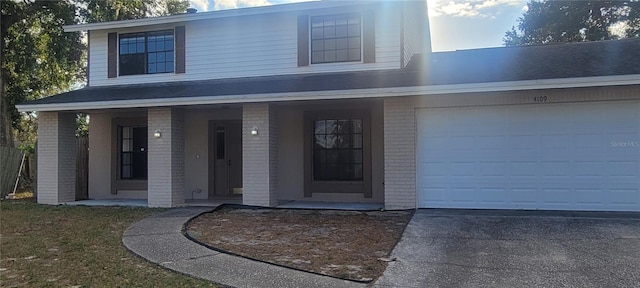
point(259, 155)
point(399, 153)
point(56, 157)
point(165, 154)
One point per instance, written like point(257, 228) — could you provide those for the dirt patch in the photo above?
point(345, 244)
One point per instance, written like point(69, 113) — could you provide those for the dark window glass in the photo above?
point(337, 150)
point(133, 152)
point(335, 38)
point(146, 53)
point(220, 141)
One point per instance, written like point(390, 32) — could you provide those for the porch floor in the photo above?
point(331, 205)
point(110, 202)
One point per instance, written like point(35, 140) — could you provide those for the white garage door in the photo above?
point(578, 156)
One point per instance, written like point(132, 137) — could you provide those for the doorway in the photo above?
point(225, 158)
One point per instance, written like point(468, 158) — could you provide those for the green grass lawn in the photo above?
point(67, 246)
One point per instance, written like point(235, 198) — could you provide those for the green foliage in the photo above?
point(548, 22)
point(39, 59)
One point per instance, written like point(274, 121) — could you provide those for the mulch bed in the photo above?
point(346, 244)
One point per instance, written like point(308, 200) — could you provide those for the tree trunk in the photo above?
point(6, 129)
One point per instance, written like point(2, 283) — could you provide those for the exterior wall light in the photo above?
point(157, 133)
point(254, 131)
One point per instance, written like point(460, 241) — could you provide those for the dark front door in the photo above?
point(225, 158)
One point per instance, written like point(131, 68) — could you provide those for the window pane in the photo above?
point(160, 57)
point(331, 172)
point(341, 31)
point(160, 67)
point(354, 54)
point(342, 20)
point(320, 141)
point(330, 56)
point(343, 126)
point(332, 156)
point(168, 45)
point(357, 141)
point(330, 44)
point(354, 19)
point(344, 141)
point(140, 47)
point(126, 158)
point(127, 145)
point(317, 57)
point(330, 141)
point(151, 46)
point(151, 58)
point(342, 55)
point(319, 156)
point(126, 172)
point(329, 32)
point(152, 68)
point(316, 22)
point(168, 56)
point(317, 33)
point(354, 42)
point(220, 142)
point(356, 126)
point(317, 45)
point(354, 30)
point(319, 172)
point(126, 132)
point(330, 126)
point(357, 156)
point(319, 127)
point(168, 67)
point(344, 156)
point(357, 171)
point(123, 49)
point(329, 21)
point(342, 43)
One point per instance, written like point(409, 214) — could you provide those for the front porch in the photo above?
point(258, 154)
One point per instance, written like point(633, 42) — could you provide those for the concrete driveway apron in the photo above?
point(449, 248)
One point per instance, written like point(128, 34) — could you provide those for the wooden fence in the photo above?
point(10, 159)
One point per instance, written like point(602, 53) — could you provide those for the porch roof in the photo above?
point(585, 64)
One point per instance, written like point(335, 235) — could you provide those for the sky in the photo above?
point(455, 24)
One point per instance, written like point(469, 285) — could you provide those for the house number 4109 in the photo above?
point(540, 99)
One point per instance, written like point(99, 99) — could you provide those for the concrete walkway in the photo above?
point(159, 239)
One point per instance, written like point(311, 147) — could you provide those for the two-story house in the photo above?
point(343, 101)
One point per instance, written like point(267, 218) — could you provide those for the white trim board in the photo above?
point(599, 81)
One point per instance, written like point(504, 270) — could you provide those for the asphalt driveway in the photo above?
point(443, 248)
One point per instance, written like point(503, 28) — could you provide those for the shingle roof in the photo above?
point(585, 59)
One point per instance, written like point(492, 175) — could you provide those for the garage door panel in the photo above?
point(578, 156)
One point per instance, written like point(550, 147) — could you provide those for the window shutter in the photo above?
point(369, 37)
point(180, 50)
point(112, 57)
point(303, 40)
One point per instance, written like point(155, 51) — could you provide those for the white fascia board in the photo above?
point(278, 8)
point(600, 81)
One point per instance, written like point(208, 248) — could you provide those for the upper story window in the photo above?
point(336, 38)
point(146, 53)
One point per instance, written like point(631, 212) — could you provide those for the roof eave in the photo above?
point(599, 81)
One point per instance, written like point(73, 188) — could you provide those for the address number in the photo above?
point(540, 99)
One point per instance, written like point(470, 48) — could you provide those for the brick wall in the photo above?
point(166, 157)
point(56, 157)
point(259, 155)
point(399, 153)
